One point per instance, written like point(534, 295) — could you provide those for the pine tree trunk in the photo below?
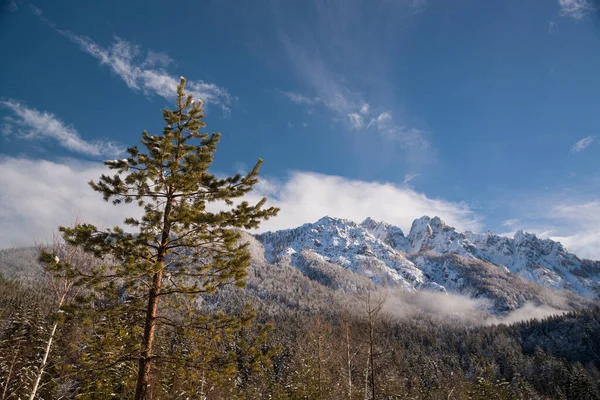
point(143, 381)
point(145, 362)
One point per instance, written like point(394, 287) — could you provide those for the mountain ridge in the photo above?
point(383, 253)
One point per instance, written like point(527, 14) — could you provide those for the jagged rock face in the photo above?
point(433, 235)
point(542, 261)
point(381, 252)
point(349, 245)
point(387, 233)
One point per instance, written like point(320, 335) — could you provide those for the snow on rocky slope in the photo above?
point(435, 256)
point(348, 244)
point(542, 261)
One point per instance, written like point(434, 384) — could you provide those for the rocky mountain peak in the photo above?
point(382, 252)
point(388, 233)
point(432, 234)
point(334, 221)
point(520, 236)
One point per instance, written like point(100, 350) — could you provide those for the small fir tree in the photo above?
point(182, 247)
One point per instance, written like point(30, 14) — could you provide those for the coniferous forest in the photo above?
point(159, 308)
point(291, 354)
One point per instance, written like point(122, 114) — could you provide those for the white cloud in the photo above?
point(300, 98)
point(573, 222)
point(528, 312)
point(417, 6)
point(582, 144)
point(583, 218)
point(28, 123)
point(306, 197)
point(409, 177)
point(381, 119)
point(356, 120)
point(157, 59)
point(123, 58)
point(581, 212)
point(388, 128)
point(143, 72)
point(575, 9)
point(585, 244)
point(355, 112)
point(39, 195)
point(507, 234)
point(511, 222)
point(539, 232)
point(35, 10)
point(336, 94)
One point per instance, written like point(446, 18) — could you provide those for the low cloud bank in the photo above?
point(39, 195)
point(457, 308)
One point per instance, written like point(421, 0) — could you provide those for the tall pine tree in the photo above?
point(181, 246)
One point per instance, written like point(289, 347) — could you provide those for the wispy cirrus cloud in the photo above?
point(31, 124)
point(356, 120)
point(417, 6)
point(388, 128)
point(510, 222)
point(142, 70)
point(356, 92)
point(12, 6)
point(299, 98)
point(348, 105)
point(582, 144)
point(410, 176)
point(575, 9)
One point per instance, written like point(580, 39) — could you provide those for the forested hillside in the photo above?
point(299, 352)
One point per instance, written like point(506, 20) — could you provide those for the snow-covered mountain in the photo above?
point(435, 256)
point(542, 261)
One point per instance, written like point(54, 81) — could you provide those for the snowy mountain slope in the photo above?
point(541, 261)
point(383, 253)
point(480, 279)
point(345, 243)
point(313, 282)
point(289, 270)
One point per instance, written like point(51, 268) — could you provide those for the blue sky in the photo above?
point(486, 113)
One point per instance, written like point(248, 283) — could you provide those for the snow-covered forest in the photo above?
point(306, 342)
